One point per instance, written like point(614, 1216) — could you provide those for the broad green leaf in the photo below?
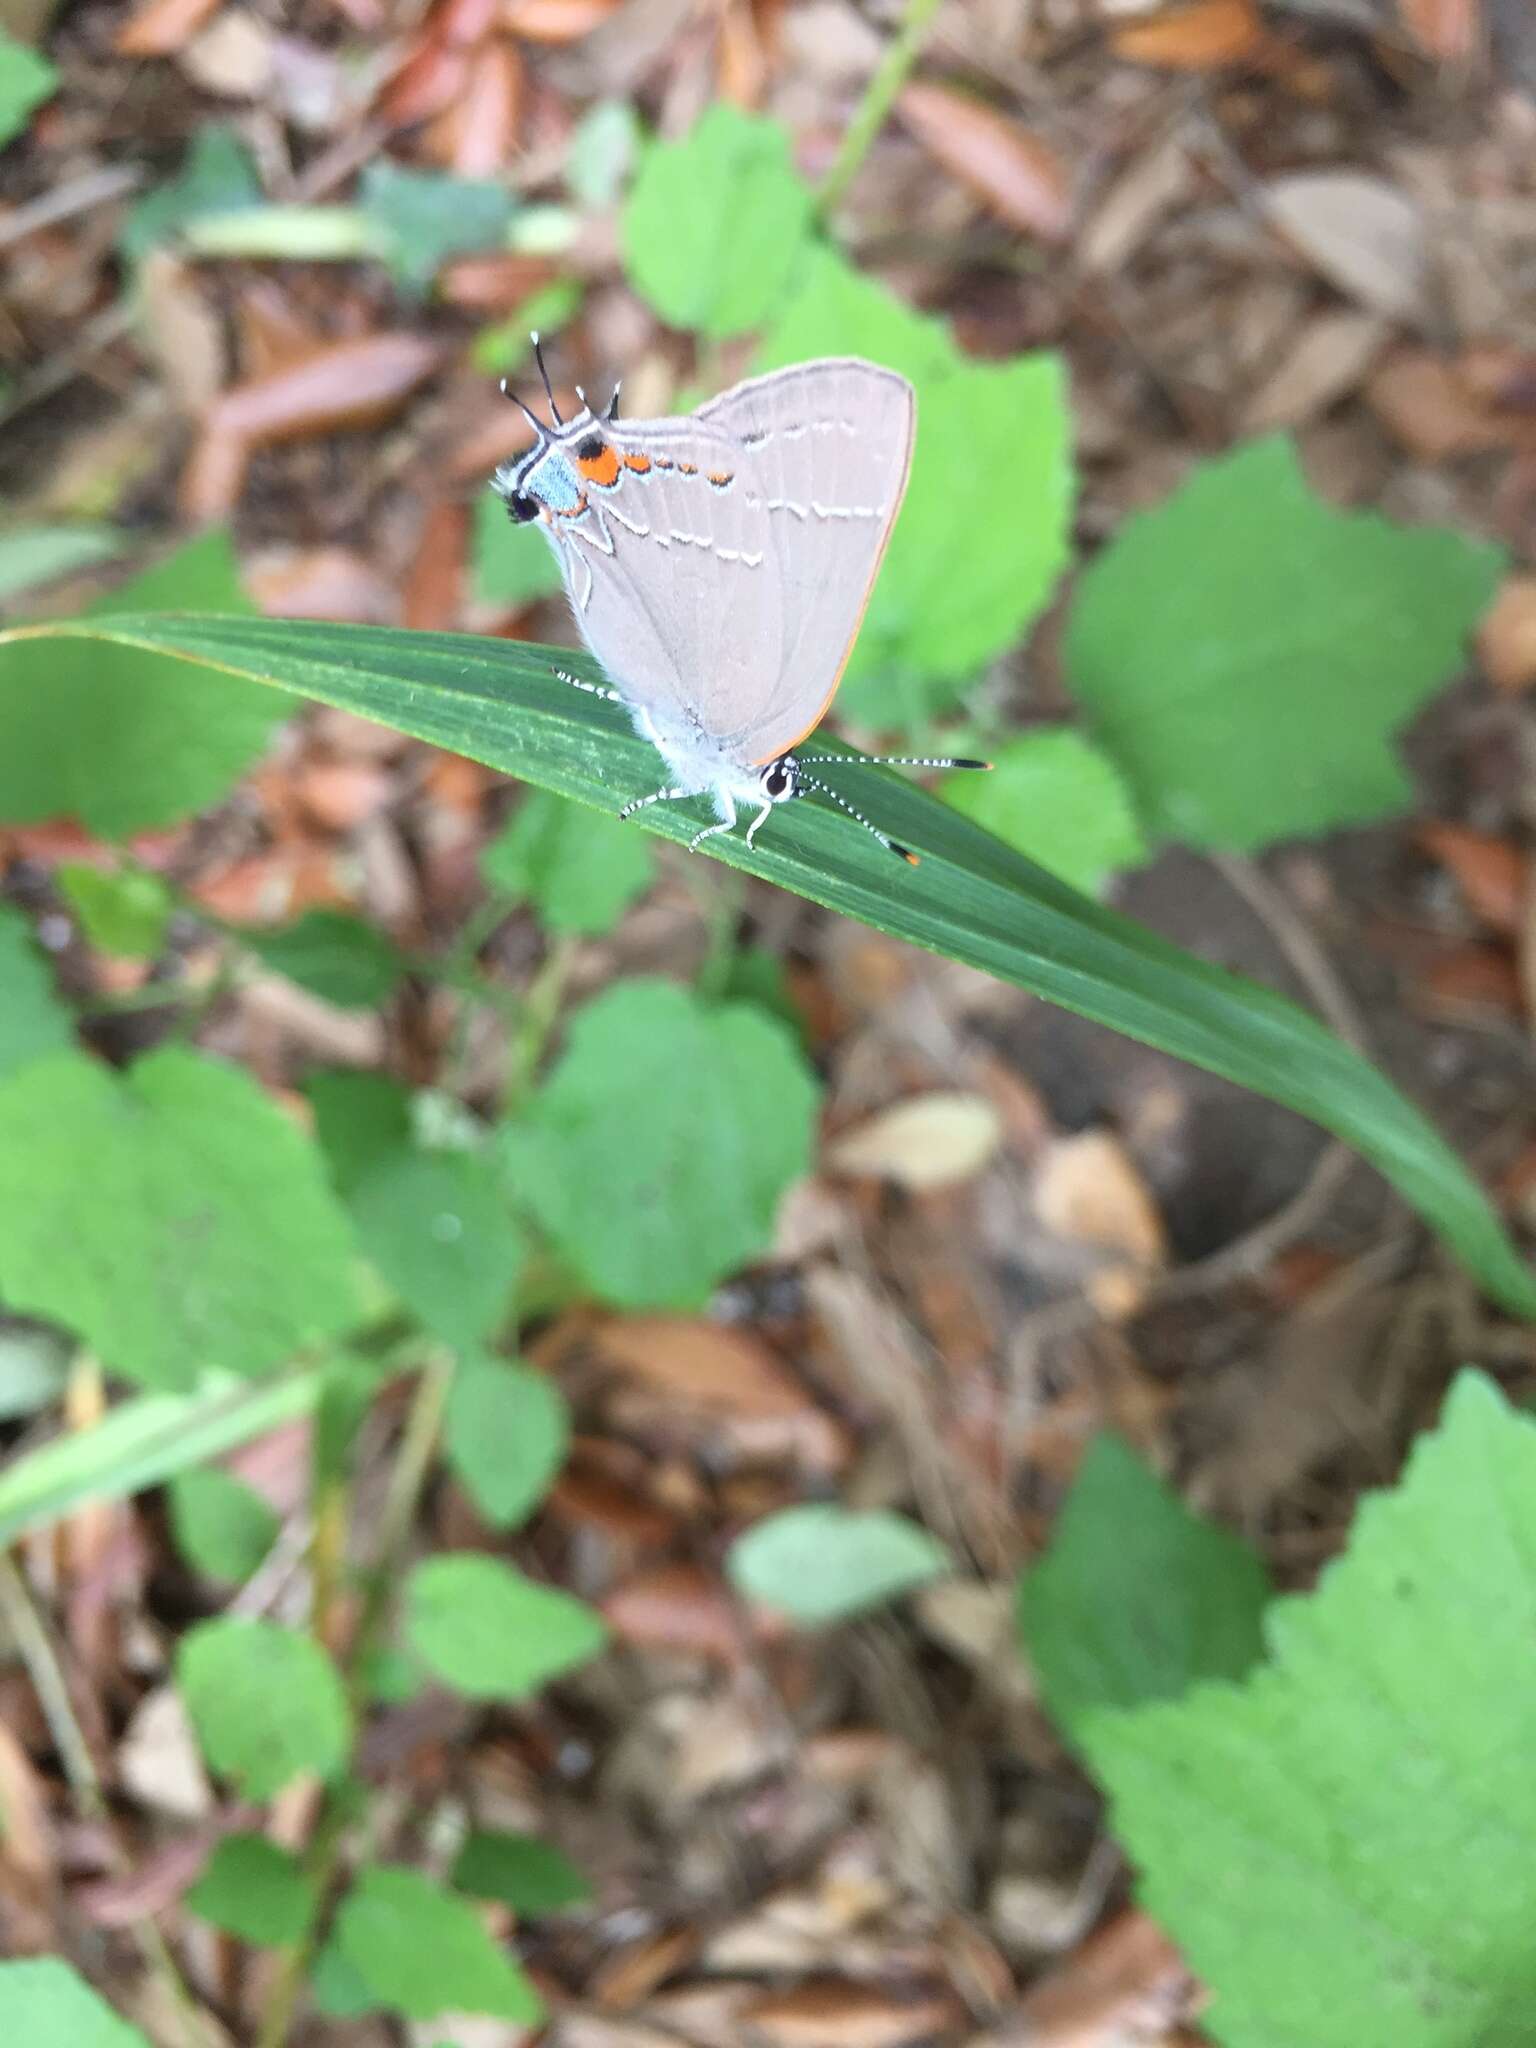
point(985, 528)
point(509, 564)
point(714, 223)
point(173, 1216)
point(530, 1876)
point(656, 1152)
point(435, 1222)
point(142, 1442)
point(120, 739)
point(26, 80)
point(265, 1701)
point(296, 234)
point(429, 216)
point(507, 1431)
point(423, 1952)
point(44, 2000)
point(1054, 796)
point(972, 898)
point(217, 176)
point(1248, 654)
point(1136, 1599)
point(33, 555)
point(488, 1631)
point(581, 872)
point(32, 1019)
point(255, 1890)
point(342, 959)
point(123, 911)
point(222, 1526)
point(1344, 1846)
point(603, 146)
point(821, 1563)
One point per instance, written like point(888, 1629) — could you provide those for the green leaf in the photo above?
point(656, 1152)
point(217, 176)
point(34, 555)
point(1136, 1599)
point(530, 1876)
point(26, 80)
point(45, 2000)
point(124, 740)
point(424, 1952)
point(488, 1631)
point(222, 1526)
point(123, 911)
point(1054, 797)
point(715, 222)
point(1366, 1799)
point(266, 1703)
point(504, 349)
point(979, 544)
point(434, 1222)
point(429, 216)
point(256, 1891)
point(1248, 654)
point(603, 146)
point(509, 565)
point(34, 1369)
point(295, 234)
point(143, 1442)
point(33, 1022)
point(341, 959)
point(972, 898)
point(820, 1563)
point(581, 872)
point(508, 1429)
point(172, 1216)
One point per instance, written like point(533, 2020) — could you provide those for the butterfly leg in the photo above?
point(660, 796)
point(592, 689)
point(752, 828)
point(725, 825)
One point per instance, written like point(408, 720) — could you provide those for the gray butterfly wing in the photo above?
point(721, 586)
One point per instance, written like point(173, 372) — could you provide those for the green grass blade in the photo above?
point(972, 898)
point(142, 1442)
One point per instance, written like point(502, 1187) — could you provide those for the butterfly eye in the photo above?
point(778, 781)
point(591, 449)
point(521, 509)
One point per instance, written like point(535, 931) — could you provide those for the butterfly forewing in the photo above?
point(722, 582)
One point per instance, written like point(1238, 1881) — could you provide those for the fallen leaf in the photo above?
point(233, 57)
point(434, 583)
point(160, 27)
point(628, 1977)
point(554, 21)
point(928, 1141)
point(158, 1761)
point(476, 134)
point(426, 83)
point(1143, 193)
point(340, 795)
point(1014, 173)
point(832, 2013)
point(1327, 359)
point(1361, 233)
point(1206, 35)
point(1445, 29)
point(1471, 982)
point(726, 1371)
point(677, 1607)
point(1126, 1983)
point(180, 328)
point(1088, 1191)
point(354, 383)
point(321, 583)
point(1493, 874)
point(1420, 398)
point(1506, 640)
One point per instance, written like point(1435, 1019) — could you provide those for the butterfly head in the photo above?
point(568, 456)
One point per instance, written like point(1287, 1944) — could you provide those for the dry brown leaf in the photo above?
point(26, 1834)
point(1360, 232)
point(321, 583)
point(1328, 358)
point(1420, 398)
point(180, 328)
point(1473, 982)
point(554, 21)
point(1445, 29)
point(476, 134)
point(1493, 874)
point(628, 1978)
point(160, 27)
point(1019, 177)
point(233, 57)
point(159, 1763)
point(427, 82)
point(728, 1372)
point(928, 1141)
point(339, 795)
point(1506, 640)
point(1146, 190)
point(1206, 35)
point(434, 583)
point(1127, 1983)
point(677, 1607)
point(1089, 1191)
point(832, 2013)
point(354, 383)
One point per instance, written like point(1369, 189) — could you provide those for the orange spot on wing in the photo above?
point(665, 462)
point(687, 469)
point(601, 469)
point(570, 511)
point(721, 477)
point(640, 464)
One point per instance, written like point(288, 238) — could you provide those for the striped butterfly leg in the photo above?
point(592, 689)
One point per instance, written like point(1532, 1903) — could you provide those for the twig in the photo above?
point(96, 335)
point(95, 188)
point(879, 96)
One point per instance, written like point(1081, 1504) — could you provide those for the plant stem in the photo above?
point(413, 1461)
point(35, 1647)
point(540, 1009)
point(869, 115)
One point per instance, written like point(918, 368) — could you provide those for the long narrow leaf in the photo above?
point(972, 898)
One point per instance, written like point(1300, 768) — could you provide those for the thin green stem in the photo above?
point(408, 1478)
point(34, 1646)
point(540, 1010)
point(879, 95)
